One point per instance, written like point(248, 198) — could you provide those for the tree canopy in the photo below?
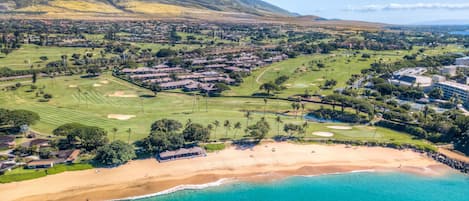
point(166, 125)
point(17, 118)
point(159, 141)
point(115, 153)
point(268, 87)
point(259, 130)
point(195, 133)
point(89, 137)
point(66, 129)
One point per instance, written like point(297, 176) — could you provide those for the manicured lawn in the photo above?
point(21, 174)
point(29, 55)
point(339, 65)
point(90, 101)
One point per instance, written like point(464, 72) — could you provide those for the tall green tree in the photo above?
point(259, 130)
point(227, 126)
point(115, 153)
point(248, 116)
point(166, 125)
point(196, 133)
point(279, 121)
point(216, 123)
point(269, 87)
point(90, 137)
point(237, 127)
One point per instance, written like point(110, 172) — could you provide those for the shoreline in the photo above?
point(258, 164)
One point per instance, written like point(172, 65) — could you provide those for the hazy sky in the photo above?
point(388, 11)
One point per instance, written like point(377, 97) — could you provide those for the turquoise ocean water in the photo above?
point(343, 187)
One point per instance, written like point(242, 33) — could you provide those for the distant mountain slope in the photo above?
point(257, 7)
point(253, 7)
point(235, 11)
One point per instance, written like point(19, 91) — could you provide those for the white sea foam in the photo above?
point(340, 173)
point(180, 188)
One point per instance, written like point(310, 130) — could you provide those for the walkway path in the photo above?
point(260, 75)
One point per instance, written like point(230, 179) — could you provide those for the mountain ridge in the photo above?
point(251, 7)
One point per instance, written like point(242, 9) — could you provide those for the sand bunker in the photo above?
point(97, 85)
point(120, 116)
point(122, 94)
point(319, 80)
point(323, 134)
point(104, 82)
point(340, 127)
point(301, 85)
point(72, 86)
point(366, 127)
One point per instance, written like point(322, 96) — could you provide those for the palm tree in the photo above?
point(302, 108)
point(188, 122)
point(114, 131)
point(64, 60)
point(248, 117)
point(296, 107)
point(237, 127)
point(293, 106)
point(130, 132)
point(227, 126)
point(216, 123)
point(210, 127)
point(279, 121)
point(426, 109)
point(155, 88)
point(305, 126)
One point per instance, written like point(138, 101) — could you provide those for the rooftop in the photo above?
point(42, 162)
point(179, 152)
point(456, 85)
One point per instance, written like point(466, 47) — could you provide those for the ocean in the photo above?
point(465, 33)
point(339, 187)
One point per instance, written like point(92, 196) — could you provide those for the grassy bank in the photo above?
point(21, 174)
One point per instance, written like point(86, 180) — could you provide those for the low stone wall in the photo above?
point(455, 164)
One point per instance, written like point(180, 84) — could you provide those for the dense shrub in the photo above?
point(329, 114)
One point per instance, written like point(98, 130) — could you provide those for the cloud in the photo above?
point(414, 6)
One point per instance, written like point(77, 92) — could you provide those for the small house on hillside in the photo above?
point(7, 142)
point(41, 164)
point(39, 143)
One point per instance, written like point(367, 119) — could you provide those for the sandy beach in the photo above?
point(263, 162)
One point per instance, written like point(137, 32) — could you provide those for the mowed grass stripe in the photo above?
point(59, 116)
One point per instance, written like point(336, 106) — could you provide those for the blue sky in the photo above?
point(387, 11)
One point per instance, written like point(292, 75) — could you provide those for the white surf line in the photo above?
point(179, 188)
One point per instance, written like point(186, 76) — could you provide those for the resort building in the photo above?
point(462, 61)
point(449, 70)
point(181, 154)
point(410, 71)
point(451, 89)
point(438, 78)
point(412, 80)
